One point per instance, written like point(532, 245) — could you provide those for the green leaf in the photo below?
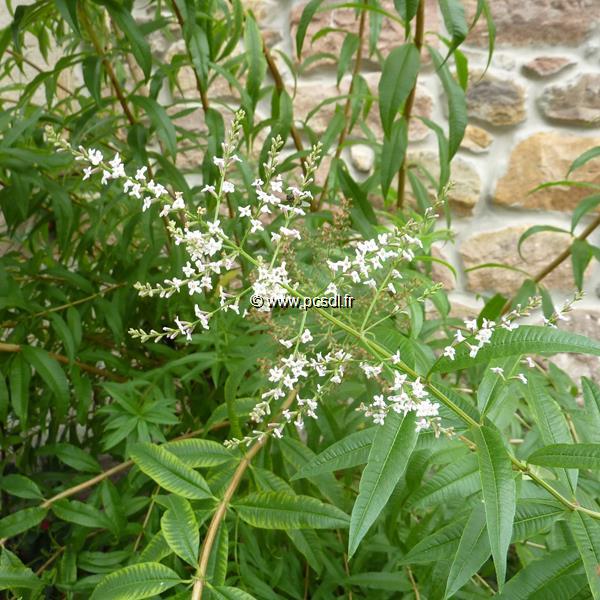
point(407, 9)
point(538, 576)
point(537, 229)
point(92, 76)
point(349, 47)
point(586, 532)
point(492, 384)
point(533, 516)
point(3, 398)
point(169, 472)
point(583, 159)
point(18, 382)
point(438, 545)
point(126, 23)
point(143, 580)
point(72, 456)
point(568, 456)
point(348, 452)
point(257, 65)
point(225, 592)
point(460, 479)
point(499, 494)
point(180, 529)
point(196, 453)
point(20, 486)
point(581, 254)
point(279, 510)
point(398, 77)
point(473, 551)
point(457, 103)
point(393, 153)
point(68, 11)
point(527, 339)
point(591, 397)
point(453, 13)
point(160, 120)
point(550, 420)
point(584, 207)
point(392, 447)
point(49, 370)
point(21, 521)
point(307, 14)
point(82, 514)
point(484, 7)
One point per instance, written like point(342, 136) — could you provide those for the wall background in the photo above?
point(537, 109)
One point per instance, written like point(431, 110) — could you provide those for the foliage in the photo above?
point(163, 436)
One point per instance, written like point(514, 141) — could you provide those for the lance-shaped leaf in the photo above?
point(135, 582)
point(348, 452)
point(226, 592)
point(499, 494)
point(398, 77)
point(257, 66)
point(455, 21)
point(550, 420)
point(527, 339)
point(586, 532)
point(591, 398)
point(392, 153)
point(538, 578)
point(20, 521)
point(533, 516)
point(392, 447)
point(169, 472)
point(200, 453)
point(180, 529)
point(569, 456)
point(473, 551)
point(279, 510)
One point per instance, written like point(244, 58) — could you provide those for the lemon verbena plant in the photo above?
point(228, 368)
point(260, 259)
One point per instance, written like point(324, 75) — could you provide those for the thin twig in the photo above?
point(413, 584)
point(221, 511)
point(65, 360)
point(280, 87)
point(408, 107)
point(560, 258)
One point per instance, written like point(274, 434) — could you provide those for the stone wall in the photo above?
point(534, 111)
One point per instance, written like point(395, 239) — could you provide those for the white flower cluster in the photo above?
point(374, 255)
point(269, 284)
point(405, 396)
point(483, 335)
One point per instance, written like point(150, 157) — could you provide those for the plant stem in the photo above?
point(280, 87)
point(346, 128)
point(67, 361)
point(407, 112)
point(221, 511)
point(560, 258)
point(201, 90)
point(382, 354)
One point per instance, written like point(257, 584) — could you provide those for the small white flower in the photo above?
point(219, 162)
point(179, 204)
point(140, 174)
point(87, 173)
point(208, 188)
point(256, 225)
point(228, 187)
point(450, 352)
point(95, 157)
point(287, 343)
point(395, 358)
point(244, 211)
point(147, 203)
point(459, 337)
point(497, 370)
point(530, 362)
point(522, 378)
point(306, 336)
